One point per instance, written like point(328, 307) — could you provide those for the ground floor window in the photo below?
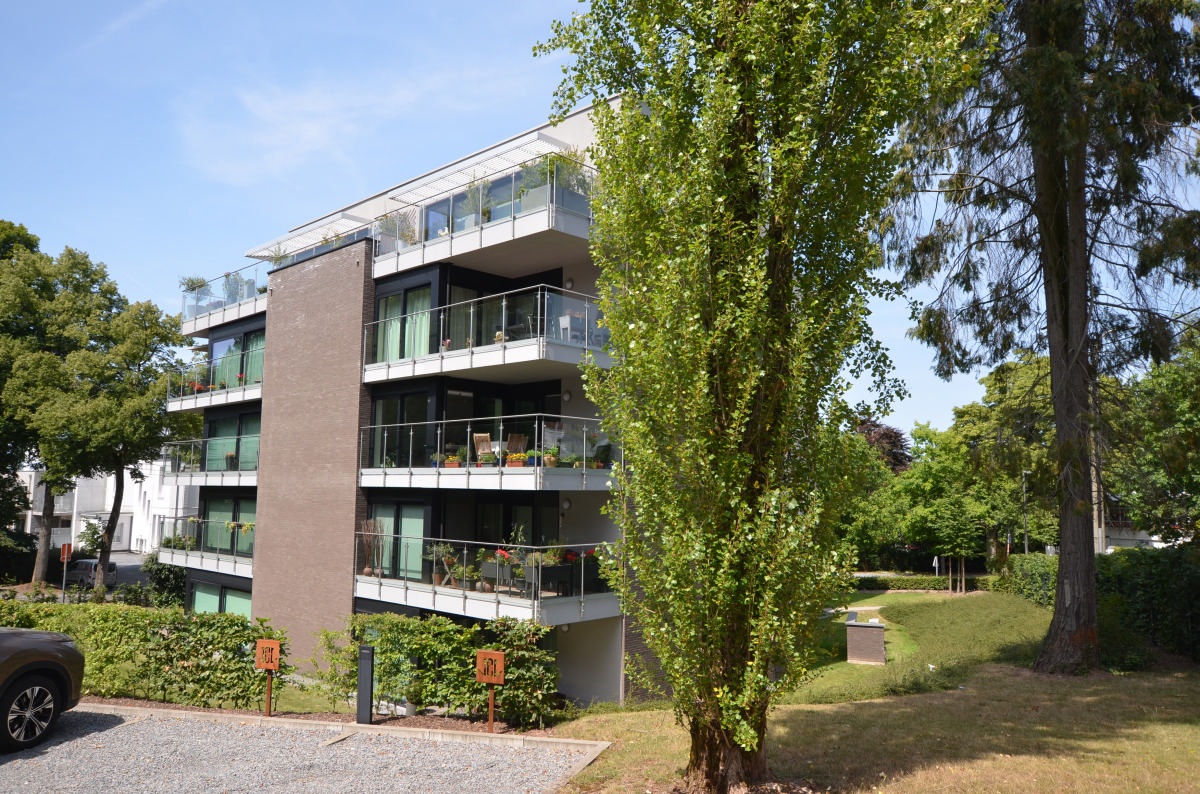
point(208, 597)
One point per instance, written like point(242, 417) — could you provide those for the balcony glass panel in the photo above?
point(237, 453)
point(228, 530)
point(537, 312)
point(554, 179)
point(545, 439)
point(533, 573)
point(201, 297)
point(239, 363)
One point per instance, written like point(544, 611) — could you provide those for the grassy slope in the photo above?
point(998, 728)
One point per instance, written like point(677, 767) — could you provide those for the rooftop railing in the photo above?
point(553, 180)
point(543, 440)
point(201, 297)
point(536, 312)
point(521, 571)
point(223, 453)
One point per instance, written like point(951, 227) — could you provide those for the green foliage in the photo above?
point(740, 176)
point(90, 539)
point(431, 661)
point(1030, 576)
point(202, 659)
point(919, 582)
point(1159, 591)
point(1155, 464)
point(168, 583)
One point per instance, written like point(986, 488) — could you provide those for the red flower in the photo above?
point(501, 554)
point(570, 556)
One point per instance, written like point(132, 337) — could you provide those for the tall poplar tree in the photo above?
point(1058, 226)
point(740, 173)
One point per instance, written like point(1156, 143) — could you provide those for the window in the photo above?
point(404, 326)
point(238, 361)
point(403, 435)
point(233, 443)
point(229, 525)
point(215, 598)
point(396, 548)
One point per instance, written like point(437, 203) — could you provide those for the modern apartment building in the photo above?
point(394, 416)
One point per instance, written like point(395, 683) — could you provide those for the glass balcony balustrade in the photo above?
point(551, 181)
point(231, 371)
point(533, 573)
point(220, 454)
point(522, 440)
point(202, 297)
point(541, 312)
point(214, 536)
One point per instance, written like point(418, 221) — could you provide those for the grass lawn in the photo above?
point(979, 723)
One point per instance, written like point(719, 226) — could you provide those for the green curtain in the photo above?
point(387, 330)
point(218, 535)
point(416, 324)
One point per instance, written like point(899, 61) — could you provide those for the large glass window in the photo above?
point(403, 435)
point(229, 525)
point(238, 361)
point(396, 546)
point(233, 443)
point(404, 328)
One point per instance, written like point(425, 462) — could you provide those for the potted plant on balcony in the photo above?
point(534, 457)
point(550, 457)
point(452, 462)
point(437, 459)
point(487, 459)
point(571, 461)
point(516, 459)
point(445, 554)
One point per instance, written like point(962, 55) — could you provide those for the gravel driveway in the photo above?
point(122, 749)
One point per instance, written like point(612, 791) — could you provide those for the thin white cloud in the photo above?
point(125, 20)
point(252, 134)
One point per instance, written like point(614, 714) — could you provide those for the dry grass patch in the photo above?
point(1006, 730)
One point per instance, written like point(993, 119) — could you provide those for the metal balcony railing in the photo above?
point(243, 368)
point(191, 533)
point(202, 297)
point(537, 312)
point(554, 181)
point(520, 571)
point(224, 453)
point(544, 440)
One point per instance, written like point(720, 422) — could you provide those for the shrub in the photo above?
point(908, 582)
point(1160, 589)
point(431, 661)
point(1032, 576)
point(168, 583)
point(204, 659)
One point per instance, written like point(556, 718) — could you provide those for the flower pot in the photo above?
point(452, 464)
point(550, 461)
point(515, 464)
point(368, 571)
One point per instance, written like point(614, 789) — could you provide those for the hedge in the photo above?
point(199, 659)
point(908, 582)
point(431, 661)
point(1159, 592)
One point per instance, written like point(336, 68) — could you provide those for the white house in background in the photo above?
point(145, 507)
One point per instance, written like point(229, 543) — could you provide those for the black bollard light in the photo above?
point(366, 681)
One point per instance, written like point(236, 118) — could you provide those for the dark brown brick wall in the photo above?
point(314, 403)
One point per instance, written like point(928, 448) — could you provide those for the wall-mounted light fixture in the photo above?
point(569, 283)
point(566, 395)
point(566, 505)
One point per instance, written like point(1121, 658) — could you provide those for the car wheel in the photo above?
point(29, 708)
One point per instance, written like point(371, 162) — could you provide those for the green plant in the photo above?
point(90, 538)
point(168, 583)
point(196, 284)
point(521, 456)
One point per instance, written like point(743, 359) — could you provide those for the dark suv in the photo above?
point(41, 676)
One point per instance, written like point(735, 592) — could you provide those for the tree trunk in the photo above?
point(717, 765)
point(1058, 144)
point(110, 529)
point(41, 563)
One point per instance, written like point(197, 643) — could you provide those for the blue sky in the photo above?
point(167, 137)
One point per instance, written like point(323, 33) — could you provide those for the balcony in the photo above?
point(225, 460)
point(217, 546)
point(561, 453)
point(552, 585)
point(545, 325)
point(233, 378)
point(453, 214)
point(237, 294)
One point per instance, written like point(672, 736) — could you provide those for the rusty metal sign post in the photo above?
point(65, 557)
point(489, 669)
point(266, 657)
